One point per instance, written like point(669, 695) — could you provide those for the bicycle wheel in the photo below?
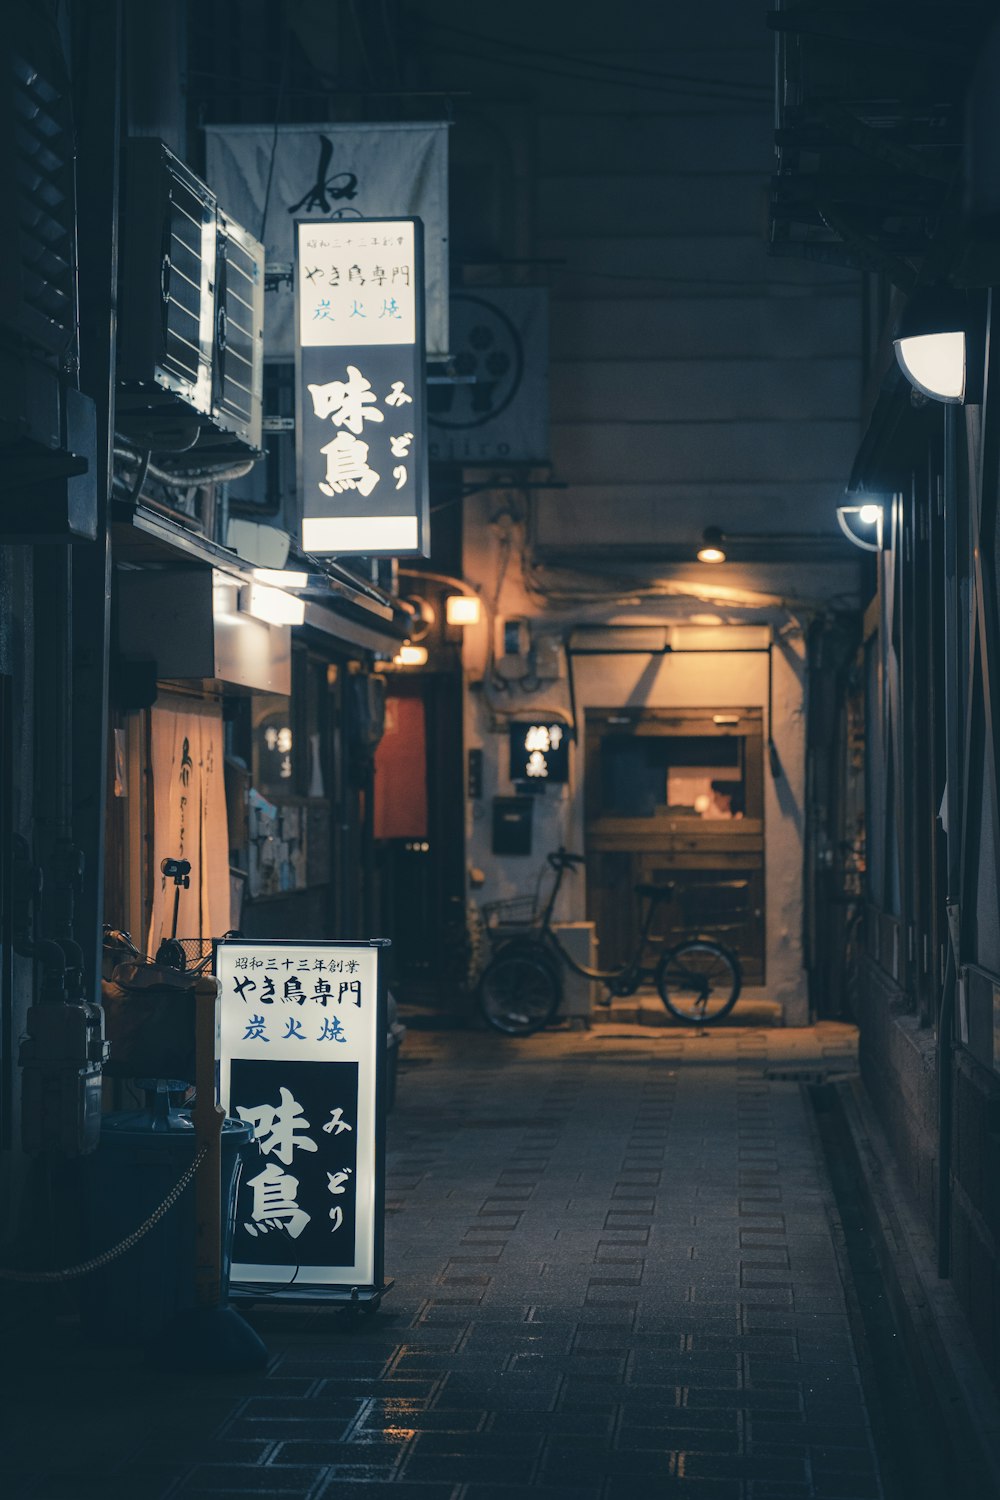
point(699, 981)
point(519, 990)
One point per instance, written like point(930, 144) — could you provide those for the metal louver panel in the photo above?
point(167, 304)
point(239, 332)
point(38, 300)
point(184, 283)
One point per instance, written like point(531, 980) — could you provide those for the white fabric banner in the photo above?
point(333, 172)
point(189, 799)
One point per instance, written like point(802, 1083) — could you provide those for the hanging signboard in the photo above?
point(302, 1062)
point(498, 412)
point(266, 176)
point(360, 425)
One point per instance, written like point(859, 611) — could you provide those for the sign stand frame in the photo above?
point(364, 1298)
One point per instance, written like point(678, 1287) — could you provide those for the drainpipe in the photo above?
point(953, 775)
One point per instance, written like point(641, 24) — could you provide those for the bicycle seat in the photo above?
point(655, 892)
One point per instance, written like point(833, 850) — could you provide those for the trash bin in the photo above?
point(141, 1155)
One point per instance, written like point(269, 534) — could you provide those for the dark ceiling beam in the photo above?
point(898, 28)
point(888, 193)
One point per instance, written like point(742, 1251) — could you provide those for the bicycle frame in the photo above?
point(631, 974)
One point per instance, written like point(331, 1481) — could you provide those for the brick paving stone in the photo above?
point(614, 1278)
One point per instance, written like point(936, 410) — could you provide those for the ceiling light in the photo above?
point(711, 550)
point(462, 609)
point(282, 578)
point(411, 656)
point(940, 342)
point(862, 524)
point(272, 606)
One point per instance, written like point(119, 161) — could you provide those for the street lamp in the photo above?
point(940, 343)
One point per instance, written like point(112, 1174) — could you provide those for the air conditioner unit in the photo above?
point(269, 492)
point(166, 329)
point(191, 319)
point(238, 367)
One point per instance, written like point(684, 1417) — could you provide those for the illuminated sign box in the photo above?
point(539, 751)
point(361, 420)
point(302, 1061)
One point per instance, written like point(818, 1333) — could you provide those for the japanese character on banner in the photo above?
point(350, 989)
point(278, 1127)
point(337, 1184)
point(348, 403)
point(333, 1031)
point(336, 1124)
point(274, 1205)
point(347, 467)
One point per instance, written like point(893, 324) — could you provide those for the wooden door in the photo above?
point(677, 796)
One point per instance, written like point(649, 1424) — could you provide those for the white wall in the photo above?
point(716, 680)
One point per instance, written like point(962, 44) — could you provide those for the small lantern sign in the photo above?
point(539, 752)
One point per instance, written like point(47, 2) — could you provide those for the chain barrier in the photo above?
point(69, 1273)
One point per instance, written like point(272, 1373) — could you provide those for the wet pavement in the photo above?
point(618, 1273)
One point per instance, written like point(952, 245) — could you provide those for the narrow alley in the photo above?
point(500, 750)
point(618, 1272)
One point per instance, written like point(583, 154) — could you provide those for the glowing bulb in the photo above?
point(462, 609)
point(711, 555)
point(411, 656)
point(869, 514)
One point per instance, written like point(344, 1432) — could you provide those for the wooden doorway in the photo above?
point(677, 795)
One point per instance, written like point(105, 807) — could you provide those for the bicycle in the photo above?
point(520, 989)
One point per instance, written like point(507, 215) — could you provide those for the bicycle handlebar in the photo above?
point(563, 859)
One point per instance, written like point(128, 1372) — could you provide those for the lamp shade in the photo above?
point(862, 524)
point(940, 341)
point(711, 549)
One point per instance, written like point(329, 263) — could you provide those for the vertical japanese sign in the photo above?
point(360, 388)
point(302, 1046)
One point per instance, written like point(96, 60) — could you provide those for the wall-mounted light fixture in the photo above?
point(862, 524)
point(940, 343)
point(272, 606)
point(411, 656)
point(463, 609)
point(281, 578)
point(711, 549)
point(423, 615)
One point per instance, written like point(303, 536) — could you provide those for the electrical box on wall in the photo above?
point(550, 659)
point(512, 817)
point(513, 647)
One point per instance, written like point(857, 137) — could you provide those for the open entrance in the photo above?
point(419, 835)
point(677, 795)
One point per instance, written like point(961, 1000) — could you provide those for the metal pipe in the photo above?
point(954, 809)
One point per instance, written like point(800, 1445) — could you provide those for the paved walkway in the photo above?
point(615, 1277)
